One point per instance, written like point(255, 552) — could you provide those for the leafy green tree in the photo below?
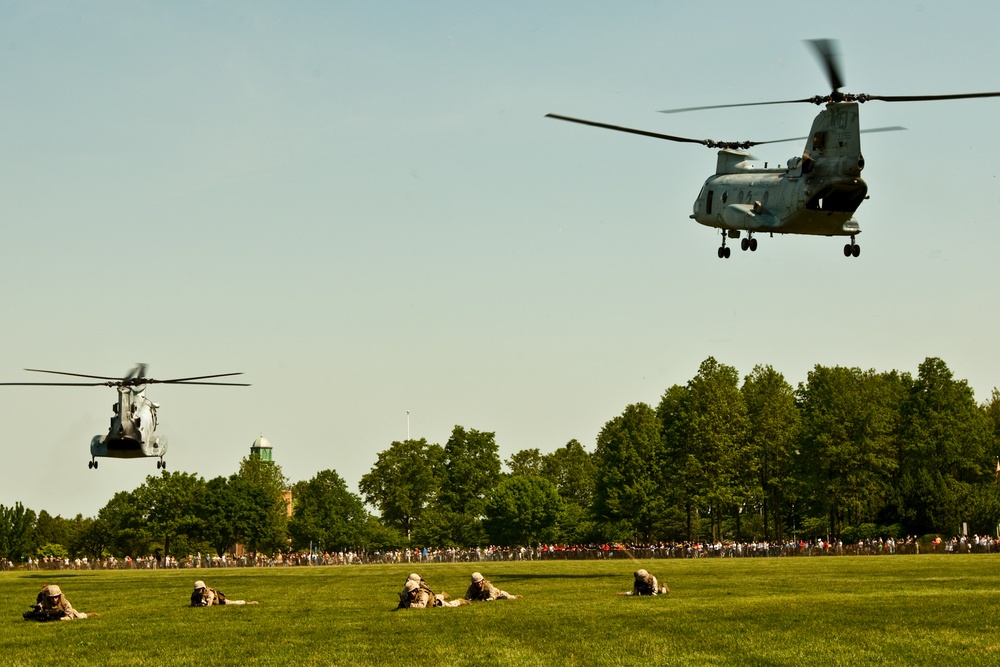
point(262, 512)
point(626, 492)
point(16, 524)
point(404, 482)
point(472, 469)
point(525, 462)
point(773, 431)
point(849, 420)
point(171, 506)
point(571, 468)
point(944, 451)
point(120, 527)
point(522, 510)
point(326, 514)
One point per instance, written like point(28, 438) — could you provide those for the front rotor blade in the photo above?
point(619, 128)
point(810, 100)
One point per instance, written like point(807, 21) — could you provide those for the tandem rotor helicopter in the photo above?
point(816, 193)
point(132, 433)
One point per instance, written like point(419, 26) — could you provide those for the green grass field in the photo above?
point(780, 611)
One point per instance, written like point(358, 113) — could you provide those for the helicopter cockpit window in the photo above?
point(725, 197)
point(819, 140)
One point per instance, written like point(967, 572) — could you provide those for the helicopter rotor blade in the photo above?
point(925, 98)
point(57, 384)
point(656, 135)
point(188, 380)
point(77, 375)
point(891, 128)
point(826, 52)
point(218, 384)
point(810, 100)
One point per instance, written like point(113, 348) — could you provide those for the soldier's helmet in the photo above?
point(53, 590)
point(641, 574)
point(411, 585)
point(199, 584)
point(414, 577)
point(476, 577)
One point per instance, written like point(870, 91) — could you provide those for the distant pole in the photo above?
point(407, 424)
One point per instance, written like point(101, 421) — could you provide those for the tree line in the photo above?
point(848, 453)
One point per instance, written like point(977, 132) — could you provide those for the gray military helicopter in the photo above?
point(816, 193)
point(132, 433)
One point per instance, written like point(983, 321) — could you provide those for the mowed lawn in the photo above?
point(905, 610)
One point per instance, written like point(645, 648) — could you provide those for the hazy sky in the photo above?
point(362, 207)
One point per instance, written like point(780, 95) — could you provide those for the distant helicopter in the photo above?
point(132, 433)
point(816, 193)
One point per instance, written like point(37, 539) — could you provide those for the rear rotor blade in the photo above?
point(77, 375)
point(827, 55)
point(189, 379)
point(57, 384)
point(925, 98)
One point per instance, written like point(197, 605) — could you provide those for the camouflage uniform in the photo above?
point(482, 590)
point(646, 584)
point(416, 594)
point(203, 596)
point(52, 604)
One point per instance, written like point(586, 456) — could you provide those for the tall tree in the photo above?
point(404, 482)
point(472, 469)
point(171, 506)
point(626, 493)
point(849, 421)
point(773, 430)
point(327, 515)
point(16, 525)
point(525, 462)
point(260, 488)
point(944, 451)
point(522, 510)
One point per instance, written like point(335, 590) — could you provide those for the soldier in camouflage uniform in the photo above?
point(416, 594)
point(482, 590)
point(646, 584)
point(50, 605)
point(203, 596)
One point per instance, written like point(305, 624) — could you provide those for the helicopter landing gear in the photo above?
point(161, 464)
point(724, 252)
point(749, 243)
point(92, 464)
point(852, 249)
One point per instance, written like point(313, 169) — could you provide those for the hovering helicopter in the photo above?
point(132, 433)
point(816, 193)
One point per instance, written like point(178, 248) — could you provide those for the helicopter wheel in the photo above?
point(856, 250)
point(745, 245)
point(90, 464)
point(722, 252)
point(95, 465)
point(847, 250)
point(753, 245)
point(726, 252)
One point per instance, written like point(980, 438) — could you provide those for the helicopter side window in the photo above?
point(739, 198)
point(819, 140)
point(725, 196)
point(708, 202)
point(763, 199)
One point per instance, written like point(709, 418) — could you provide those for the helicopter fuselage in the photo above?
point(132, 432)
point(816, 193)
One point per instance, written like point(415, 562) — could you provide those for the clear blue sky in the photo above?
point(362, 207)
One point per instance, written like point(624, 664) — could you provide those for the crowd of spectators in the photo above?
point(756, 549)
